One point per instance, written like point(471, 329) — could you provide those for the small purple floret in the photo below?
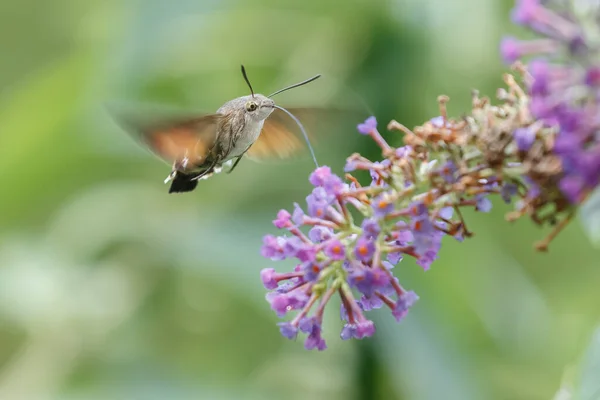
point(288, 330)
point(335, 250)
point(524, 137)
point(319, 234)
point(483, 203)
point(404, 303)
point(510, 50)
point(298, 215)
point(368, 280)
point(364, 249)
point(364, 329)
point(369, 125)
point(283, 219)
point(314, 339)
point(268, 275)
point(382, 206)
point(370, 228)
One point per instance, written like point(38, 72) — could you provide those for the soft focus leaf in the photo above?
point(420, 366)
point(590, 217)
point(589, 385)
point(33, 118)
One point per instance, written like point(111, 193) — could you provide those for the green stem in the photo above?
point(366, 371)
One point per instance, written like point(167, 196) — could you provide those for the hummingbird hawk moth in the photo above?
point(198, 147)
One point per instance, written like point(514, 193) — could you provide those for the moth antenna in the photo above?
point(247, 80)
point(296, 85)
point(312, 153)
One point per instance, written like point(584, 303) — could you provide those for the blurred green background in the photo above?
point(112, 289)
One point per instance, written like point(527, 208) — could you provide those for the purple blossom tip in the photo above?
point(393, 258)
point(369, 125)
point(438, 122)
point(288, 330)
point(319, 234)
point(282, 303)
point(273, 248)
point(370, 303)
point(358, 331)
point(365, 329)
point(323, 177)
point(483, 203)
point(404, 303)
point(279, 303)
point(540, 71)
point(402, 152)
point(508, 191)
point(350, 166)
point(509, 49)
point(572, 187)
point(268, 275)
point(283, 219)
point(298, 215)
point(314, 340)
point(525, 11)
point(306, 324)
point(348, 331)
point(318, 202)
point(296, 247)
point(524, 137)
point(446, 212)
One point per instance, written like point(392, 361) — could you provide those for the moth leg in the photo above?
point(177, 166)
point(237, 160)
point(171, 176)
point(207, 170)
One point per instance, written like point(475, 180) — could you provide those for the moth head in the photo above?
point(258, 107)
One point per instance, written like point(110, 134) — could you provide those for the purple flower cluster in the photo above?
point(539, 148)
point(564, 84)
point(335, 254)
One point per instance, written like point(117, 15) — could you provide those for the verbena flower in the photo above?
point(537, 148)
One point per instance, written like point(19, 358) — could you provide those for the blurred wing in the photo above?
point(174, 138)
point(190, 139)
point(277, 140)
point(282, 138)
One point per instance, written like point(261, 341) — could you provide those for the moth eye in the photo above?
point(251, 106)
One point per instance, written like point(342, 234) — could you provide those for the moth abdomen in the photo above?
point(183, 183)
